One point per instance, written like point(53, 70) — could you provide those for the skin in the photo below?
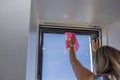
point(80, 71)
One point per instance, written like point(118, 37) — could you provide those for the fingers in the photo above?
point(97, 41)
point(95, 45)
point(71, 40)
point(93, 42)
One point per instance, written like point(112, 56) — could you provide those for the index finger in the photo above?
point(93, 42)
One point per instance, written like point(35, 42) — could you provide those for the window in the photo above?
point(53, 57)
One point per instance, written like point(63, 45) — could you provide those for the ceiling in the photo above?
point(101, 12)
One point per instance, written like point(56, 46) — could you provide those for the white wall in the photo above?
point(32, 44)
point(14, 27)
point(104, 36)
point(114, 34)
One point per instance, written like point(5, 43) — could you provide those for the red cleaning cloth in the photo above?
point(68, 37)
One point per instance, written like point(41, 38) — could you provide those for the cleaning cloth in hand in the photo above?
point(68, 37)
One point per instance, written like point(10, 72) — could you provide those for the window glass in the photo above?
point(56, 63)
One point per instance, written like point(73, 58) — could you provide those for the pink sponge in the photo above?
point(68, 37)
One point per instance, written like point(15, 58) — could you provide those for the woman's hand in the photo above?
point(95, 45)
point(71, 42)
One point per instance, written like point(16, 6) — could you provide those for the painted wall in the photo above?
point(31, 68)
point(104, 36)
point(114, 34)
point(14, 27)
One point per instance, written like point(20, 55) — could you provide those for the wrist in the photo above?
point(70, 47)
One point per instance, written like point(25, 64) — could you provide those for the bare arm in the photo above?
point(80, 71)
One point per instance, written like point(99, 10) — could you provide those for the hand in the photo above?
point(71, 42)
point(95, 45)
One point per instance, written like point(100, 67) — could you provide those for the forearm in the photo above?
point(81, 72)
point(74, 62)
